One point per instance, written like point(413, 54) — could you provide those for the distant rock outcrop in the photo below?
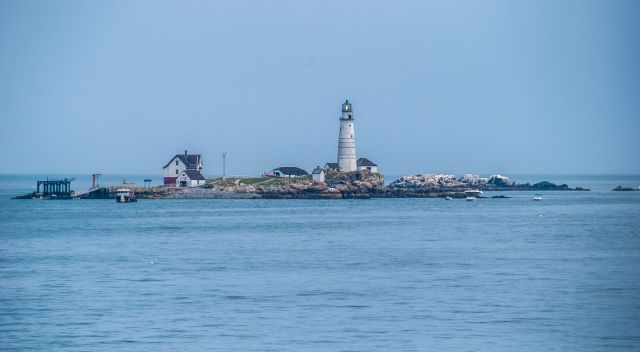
point(625, 189)
point(442, 183)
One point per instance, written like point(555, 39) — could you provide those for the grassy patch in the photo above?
point(257, 181)
point(253, 180)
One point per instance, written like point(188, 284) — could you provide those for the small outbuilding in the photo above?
point(366, 164)
point(289, 171)
point(318, 175)
point(331, 166)
point(190, 178)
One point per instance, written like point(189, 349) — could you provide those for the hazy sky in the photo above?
point(451, 86)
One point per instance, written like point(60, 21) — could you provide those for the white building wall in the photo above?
point(190, 183)
point(175, 168)
point(373, 169)
point(278, 173)
point(347, 144)
point(182, 178)
point(318, 178)
point(196, 183)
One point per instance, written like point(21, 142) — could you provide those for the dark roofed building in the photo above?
point(180, 163)
point(194, 174)
point(289, 171)
point(317, 175)
point(331, 166)
point(366, 164)
point(190, 178)
point(191, 161)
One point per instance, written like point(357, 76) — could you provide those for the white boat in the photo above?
point(473, 193)
point(537, 198)
point(470, 199)
point(448, 198)
point(125, 195)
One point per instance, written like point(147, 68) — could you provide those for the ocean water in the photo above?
point(323, 275)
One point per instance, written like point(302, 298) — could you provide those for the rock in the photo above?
point(440, 183)
point(625, 189)
point(499, 181)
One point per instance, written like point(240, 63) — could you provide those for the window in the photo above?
point(176, 162)
point(176, 171)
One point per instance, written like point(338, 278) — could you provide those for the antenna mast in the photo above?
point(224, 165)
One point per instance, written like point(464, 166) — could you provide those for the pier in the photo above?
point(58, 188)
point(50, 189)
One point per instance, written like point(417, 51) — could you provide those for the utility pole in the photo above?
point(224, 165)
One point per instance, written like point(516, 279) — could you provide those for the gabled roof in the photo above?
point(291, 170)
point(190, 160)
point(332, 165)
point(366, 162)
point(194, 174)
point(318, 170)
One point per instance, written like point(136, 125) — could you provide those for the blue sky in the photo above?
point(451, 86)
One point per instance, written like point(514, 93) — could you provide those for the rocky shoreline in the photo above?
point(355, 185)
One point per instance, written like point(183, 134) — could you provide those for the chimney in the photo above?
point(185, 152)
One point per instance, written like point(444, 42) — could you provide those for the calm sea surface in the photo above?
point(562, 274)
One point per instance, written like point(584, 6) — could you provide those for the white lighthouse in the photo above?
point(347, 140)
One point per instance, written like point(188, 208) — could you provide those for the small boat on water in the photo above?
point(448, 198)
point(537, 198)
point(125, 195)
point(473, 193)
point(470, 199)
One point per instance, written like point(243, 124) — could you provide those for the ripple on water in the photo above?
point(380, 275)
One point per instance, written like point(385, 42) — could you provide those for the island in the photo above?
point(336, 185)
point(348, 177)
